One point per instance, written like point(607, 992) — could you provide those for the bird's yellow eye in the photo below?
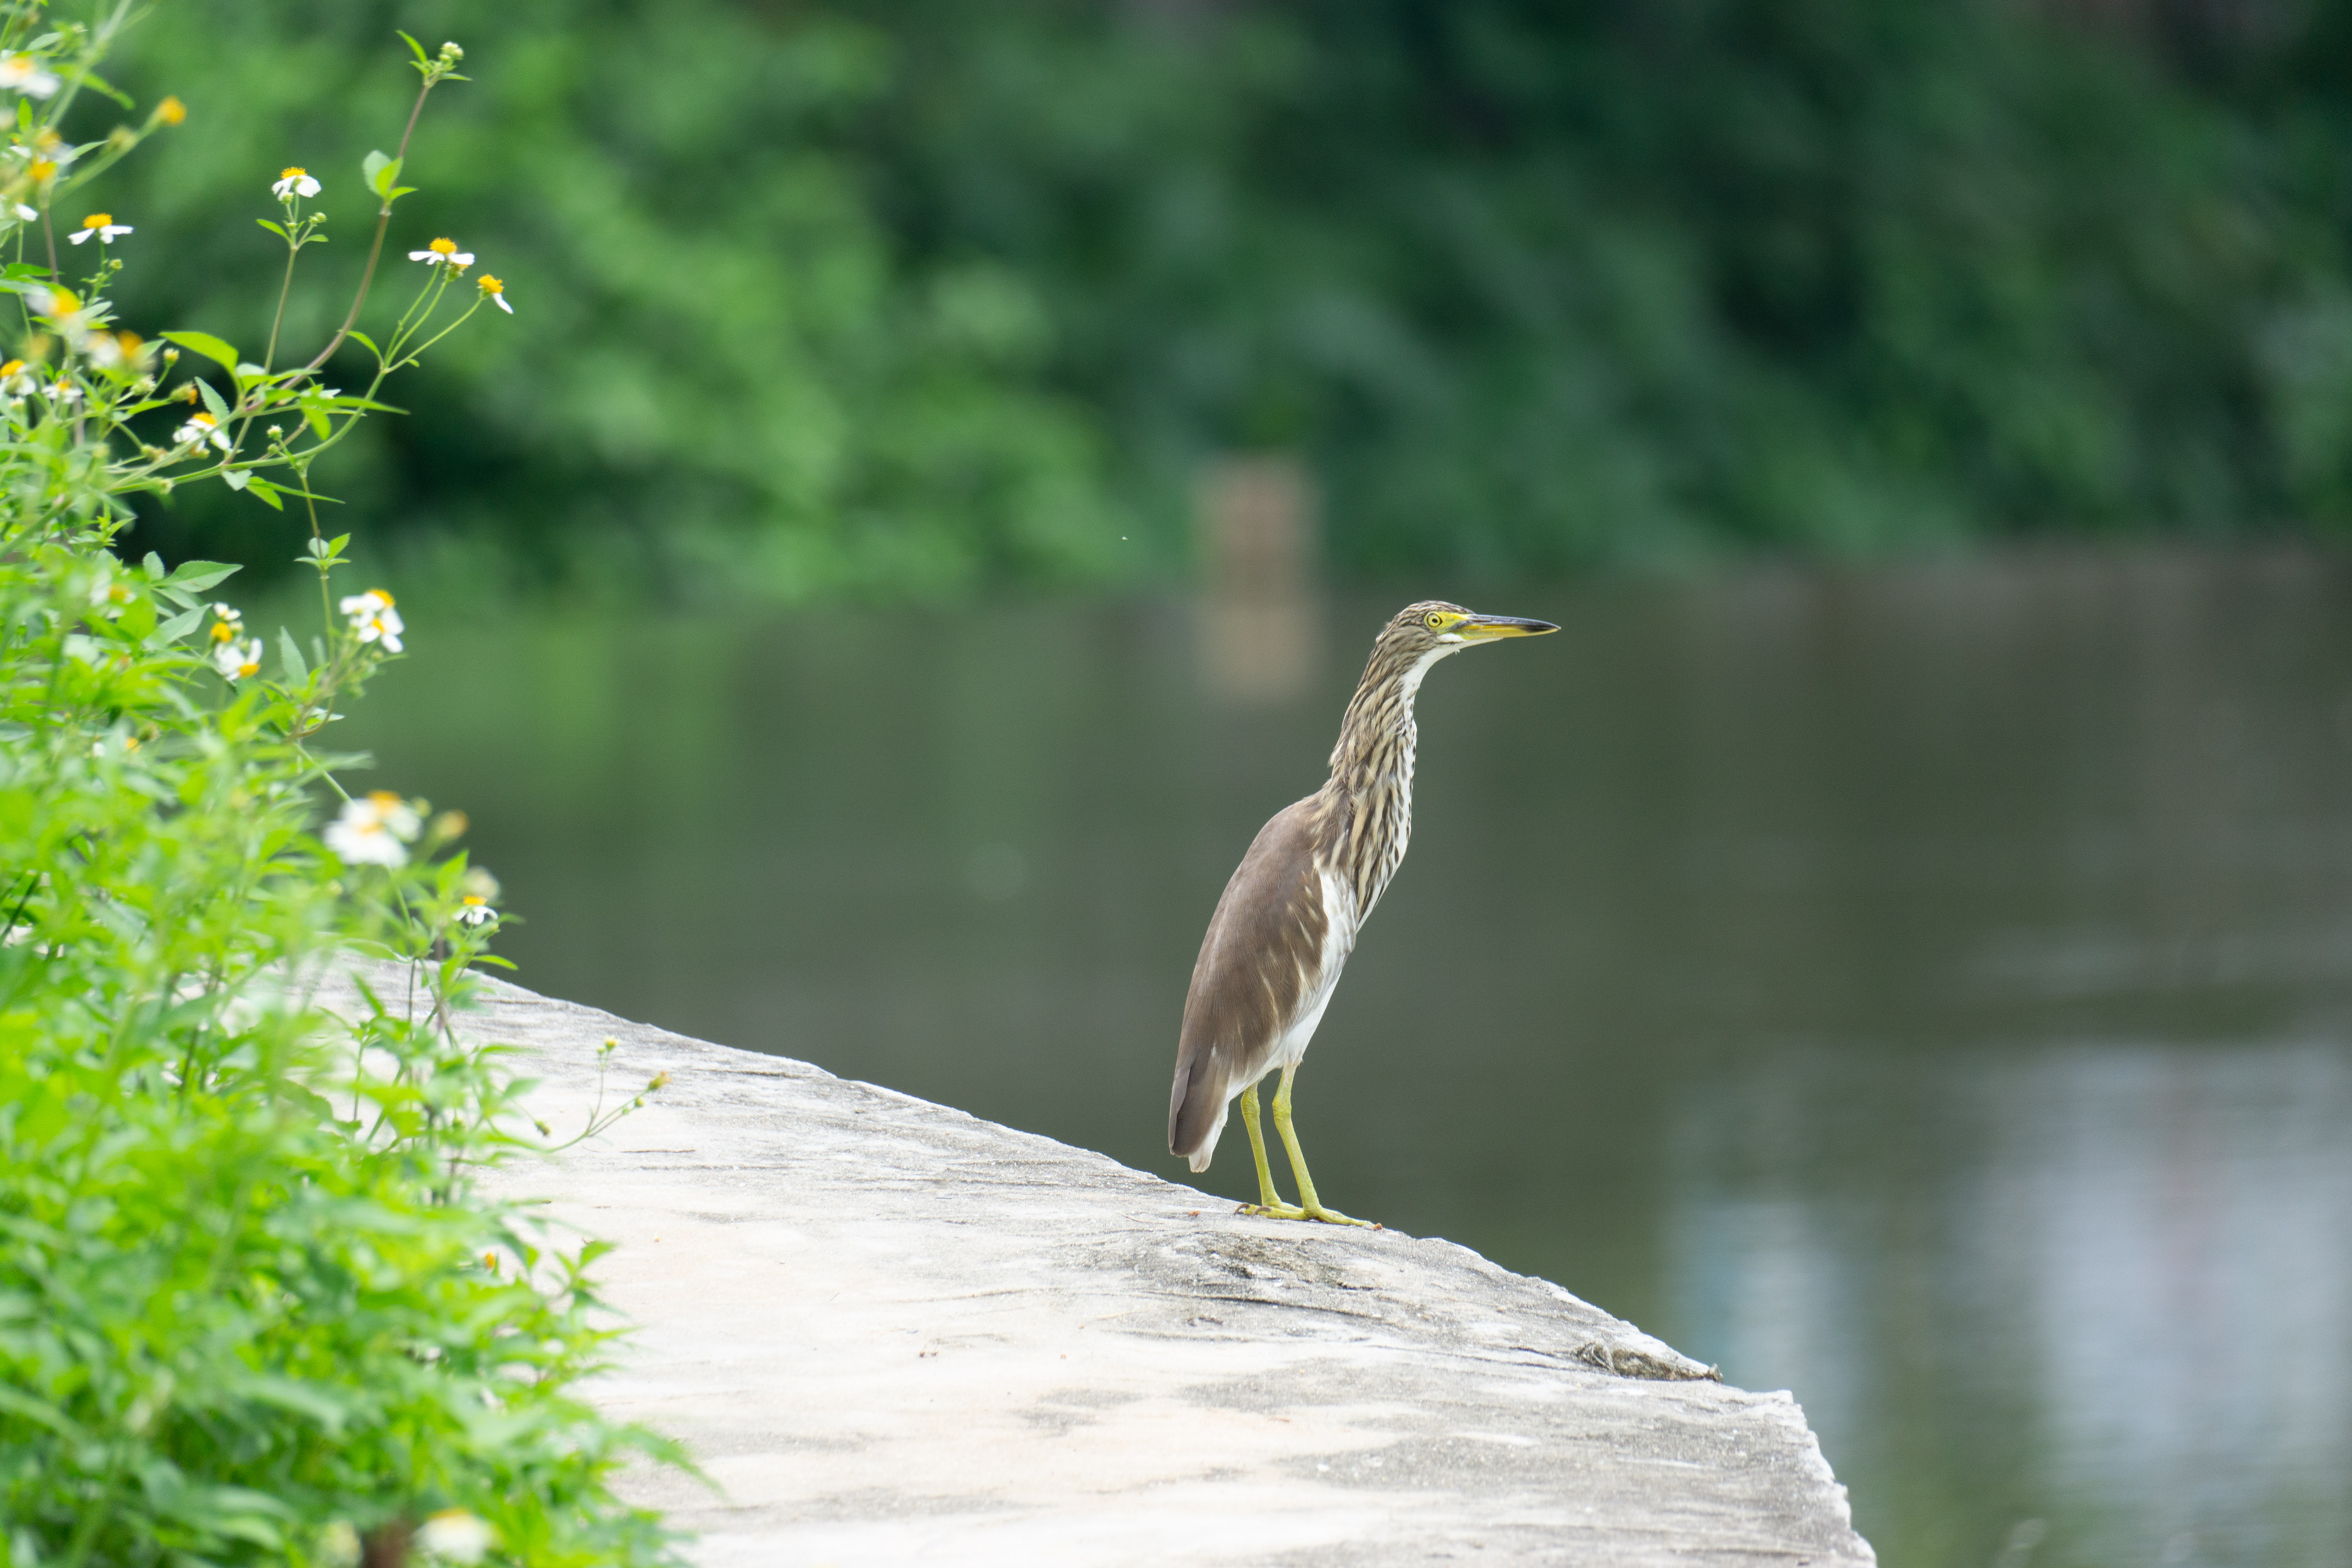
point(1435, 620)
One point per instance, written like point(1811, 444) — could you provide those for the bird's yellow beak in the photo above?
point(1487, 628)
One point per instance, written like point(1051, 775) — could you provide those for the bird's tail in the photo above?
point(1196, 1110)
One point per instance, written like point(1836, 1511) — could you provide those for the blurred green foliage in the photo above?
point(919, 294)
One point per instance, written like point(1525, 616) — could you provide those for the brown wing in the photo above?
point(1264, 948)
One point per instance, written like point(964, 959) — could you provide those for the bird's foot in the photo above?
point(1297, 1211)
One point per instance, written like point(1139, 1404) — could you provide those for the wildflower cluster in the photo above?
point(245, 1310)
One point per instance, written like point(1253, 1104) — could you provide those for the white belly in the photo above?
point(1339, 941)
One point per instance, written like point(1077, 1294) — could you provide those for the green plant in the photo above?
point(253, 1306)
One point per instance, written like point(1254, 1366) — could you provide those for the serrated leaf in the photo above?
point(204, 343)
point(153, 566)
point(213, 400)
point(289, 655)
point(175, 628)
point(198, 575)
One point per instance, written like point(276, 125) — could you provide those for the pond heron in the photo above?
point(1289, 917)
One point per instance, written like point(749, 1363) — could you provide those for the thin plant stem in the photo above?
point(375, 249)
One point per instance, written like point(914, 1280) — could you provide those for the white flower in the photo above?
point(23, 213)
point(16, 383)
point(498, 293)
point(454, 1536)
point(295, 180)
point(374, 619)
point(372, 830)
point(474, 910)
point(22, 73)
point(227, 623)
point(443, 252)
point(236, 660)
point(67, 313)
point(108, 596)
point(199, 429)
point(102, 225)
point(63, 391)
point(118, 351)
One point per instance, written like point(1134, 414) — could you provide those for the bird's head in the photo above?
point(1434, 627)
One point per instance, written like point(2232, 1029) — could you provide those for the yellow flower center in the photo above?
point(383, 799)
point(444, 246)
point(97, 220)
point(171, 112)
point(43, 170)
point(11, 368)
point(223, 632)
point(473, 901)
point(63, 303)
point(295, 174)
point(386, 597)
point(207, 420)
point(491, 285)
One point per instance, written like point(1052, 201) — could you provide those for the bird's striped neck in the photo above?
point(1367, 806)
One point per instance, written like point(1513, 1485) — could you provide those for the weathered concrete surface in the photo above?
point(896, 1334)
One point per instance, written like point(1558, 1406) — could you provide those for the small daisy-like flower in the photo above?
point(372, 831)
point(454, 1536)
point(22, 73)
point(62, 391)
point(227, 622)
point(374, 619)
point(474, 910)
point(498, 293)
point(102, 225)
point(108, 596)
point(236, 660)
point(171, 112)
point(444, 253)
point(294, 182)
point(199, 429)
point(118, 351)
point(16, 383)
point(22, 213)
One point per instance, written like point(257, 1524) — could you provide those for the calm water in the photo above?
point(1928, 991)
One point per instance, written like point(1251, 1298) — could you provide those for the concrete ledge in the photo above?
point(896, 1334)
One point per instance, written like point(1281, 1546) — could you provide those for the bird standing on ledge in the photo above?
point(1289, 917)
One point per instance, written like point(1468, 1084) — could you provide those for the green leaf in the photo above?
point(22, 271)
point(153, 566)
point(212, 400)
point(198, 575)
point(383, 173)
point(274, 228)
point(265, 491)
point(289, 655)
point(204, 343)
point(315, 417)
point(367, 343)
point(415, 48)
point(175, 628)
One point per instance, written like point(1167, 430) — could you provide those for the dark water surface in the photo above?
point(1929, 991)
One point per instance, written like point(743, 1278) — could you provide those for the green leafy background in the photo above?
point(918, 298)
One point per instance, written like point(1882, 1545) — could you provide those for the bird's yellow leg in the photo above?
point(1269, 1202)
point(1309, 1206)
